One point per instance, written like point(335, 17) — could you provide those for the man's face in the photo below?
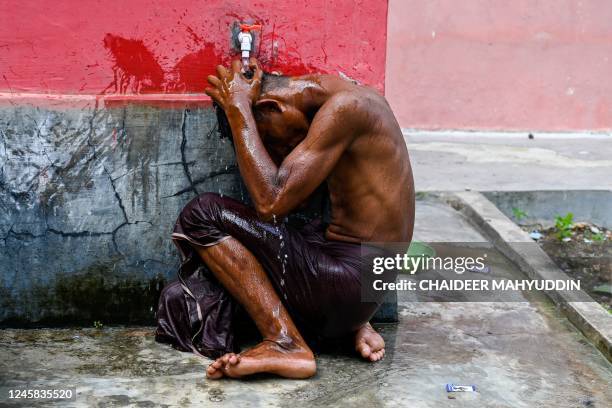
point(281, 126)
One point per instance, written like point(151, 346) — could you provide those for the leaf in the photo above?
point(518, 213)
point(419, 249)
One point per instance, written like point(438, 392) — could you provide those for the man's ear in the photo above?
point(270, 104)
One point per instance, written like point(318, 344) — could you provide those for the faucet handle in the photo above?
point(245, 38)
point(245, 28)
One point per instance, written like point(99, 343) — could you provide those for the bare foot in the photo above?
point(215, 370)
point(369, 343)
point(266, 357)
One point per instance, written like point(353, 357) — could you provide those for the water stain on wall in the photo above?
point(193, 69)
point(137, 70)
point(135, 67)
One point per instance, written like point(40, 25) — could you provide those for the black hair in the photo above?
point(268, 83)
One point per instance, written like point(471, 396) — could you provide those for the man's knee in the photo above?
point(204, 208)
point(210, 200)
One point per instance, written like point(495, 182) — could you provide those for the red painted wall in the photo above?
point(89, 47)
point(501, 65)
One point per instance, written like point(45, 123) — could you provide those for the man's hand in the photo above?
point(231, 87)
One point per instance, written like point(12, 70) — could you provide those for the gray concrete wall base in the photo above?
point(589, 317)
point(88, 200)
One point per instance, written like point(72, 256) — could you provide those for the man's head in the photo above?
point(280, 114)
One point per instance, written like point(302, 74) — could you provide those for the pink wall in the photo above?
point(90, 47)
point(501, 65)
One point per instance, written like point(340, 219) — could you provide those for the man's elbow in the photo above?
point(266, 212)
point(270, 206)
point(269, 211)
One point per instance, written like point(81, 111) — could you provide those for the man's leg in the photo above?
point(283, 350)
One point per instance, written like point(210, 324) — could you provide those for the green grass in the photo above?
point(518, 214)
point(563, 225)
point(598, 237)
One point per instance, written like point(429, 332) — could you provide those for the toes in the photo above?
point(233, 359)
point(377, 355)
point(370, 344)
point(216, 369)
point(215, 376)
point(213, 373)
point(222, 366)
point(364, 350)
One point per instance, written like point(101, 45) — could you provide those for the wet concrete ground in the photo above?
point(518, 354)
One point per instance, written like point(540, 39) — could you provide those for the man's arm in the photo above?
point(276, 190)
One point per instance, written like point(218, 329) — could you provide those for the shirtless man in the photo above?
point(292, 134)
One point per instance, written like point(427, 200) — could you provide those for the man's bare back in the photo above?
point(291, 135)
point(371, 186)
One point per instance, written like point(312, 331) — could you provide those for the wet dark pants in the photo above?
point(317, 280)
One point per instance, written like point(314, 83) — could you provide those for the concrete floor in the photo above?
point(455, 161)
point(519, 354)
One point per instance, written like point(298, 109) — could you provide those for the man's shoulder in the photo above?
point(348, 104)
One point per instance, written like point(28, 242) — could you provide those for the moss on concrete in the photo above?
point(97, 293)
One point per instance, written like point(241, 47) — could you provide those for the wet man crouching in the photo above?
point(291, 134)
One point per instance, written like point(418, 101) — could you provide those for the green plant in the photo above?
point(563, 225)
point(98, 324)
point(518, 214)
